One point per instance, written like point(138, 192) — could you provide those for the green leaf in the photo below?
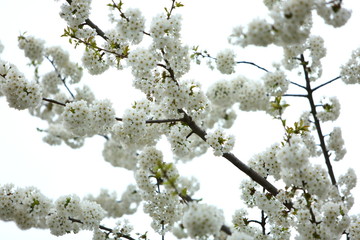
point(178, 4)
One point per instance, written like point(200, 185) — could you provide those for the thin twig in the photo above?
point(251, 63)
point(332, 80)
point(298, 85)
point(294, 95)
point(59, 75)
point(109, 230)
point(54, 101)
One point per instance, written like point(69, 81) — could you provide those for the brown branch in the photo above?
point(235, 161)
point(317, 122)
point(93, 25)
point(109, 230)
point(54, 101)
point(332, 80)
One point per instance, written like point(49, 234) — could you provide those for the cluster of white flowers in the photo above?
point(132, 25)
point(163, 205)
point(142, 62)
point(64, 66)
point(258, 32)
point(185, 147)
point(331, 109)
point(333, 13)
point(252, 95)
point(266, 162)
point(82, 119)
point(291, 24)
point(202, 220)
point(350, 72)
point(225, 61)
point(220, 142)
point(19, 92)
point(220, 93)
point(240, 221)
point(76, 12)
point(336, 143)
point(354, 228)
point(117, 207)
point(164, 30)
point(118, 155)
point(68, 210)
point(294, 155)
point(314, 46)
point(33, 48)
point(347, 181)
point(94, 62)
point(57, 133)
point(29, 208)
point(132, 127)
point(276, 83)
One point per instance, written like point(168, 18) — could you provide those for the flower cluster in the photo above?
point(266, 162)
point(132, 25)
point(333, 13)
point(142, 62)
point(183, 146)
point(118, 155)
point(162, 205)
point(81, 119)
point(314, 46)
point(336, 143)
point(331, 109)
point(114, 207)
point(276, 83)
point(202, 220)
point(350, 71)
point(252, 95)
point(63, 66)
point(19, 92)
point(70, 214)
point(225, 61)
point(76, 12)
point(258, 32)
point(220, 142)
point(94, 62)
point(164, 30)
point(347, 181)
point(291, 25)
point(29, 208)
point(33, 48)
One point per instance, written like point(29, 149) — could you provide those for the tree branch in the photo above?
point(251, 63)
point(332, 80)
point(317, 122)
point(59, 75)
point(93, 25)
point(109, 230)
point(54, 101)
point(235, 161)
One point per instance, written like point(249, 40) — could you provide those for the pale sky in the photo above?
point(26, 160)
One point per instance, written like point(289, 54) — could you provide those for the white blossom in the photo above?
point(202, 220)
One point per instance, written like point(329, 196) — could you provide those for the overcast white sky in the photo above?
point(25, 160)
